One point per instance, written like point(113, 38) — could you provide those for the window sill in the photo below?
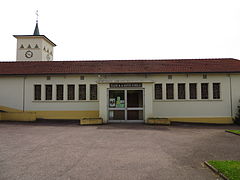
point(185, 100)
point(63, 101)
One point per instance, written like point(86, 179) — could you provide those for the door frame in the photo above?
point(126, 109)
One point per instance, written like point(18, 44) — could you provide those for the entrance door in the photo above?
point(134, 105)
point(125, 106)
point(116, 105)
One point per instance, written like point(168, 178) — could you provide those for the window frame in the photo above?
point(40, 97)
point(85, 92)
point(168, 97)
point(219, 91)
point(57, 85)
point(202, 91)
point(91, 93)
point(51, 92)
point(160, 93)
point(196, 91)
point(69, 98)
point(184, 91)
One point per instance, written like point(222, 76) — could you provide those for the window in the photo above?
point(193, 90)
point(59, 92)
point(204, 90)
point(37, 92)
point(81, 77)
point(204, 76)
point(216, 90)
point(181, 91)
point(158, 91)
point(169, 76)
point(82, 92)
point(71, 92)
point(169, 91)
point(48, 92)
point(93, 91)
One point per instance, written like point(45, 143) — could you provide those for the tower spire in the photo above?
point(36, 30)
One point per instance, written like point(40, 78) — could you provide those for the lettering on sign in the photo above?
point(125, 85)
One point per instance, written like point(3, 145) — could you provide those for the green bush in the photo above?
point(237, 117)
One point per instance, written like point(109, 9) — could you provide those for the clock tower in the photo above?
point(34, 47)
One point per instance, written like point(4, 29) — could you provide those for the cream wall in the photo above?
point(56, 105)
point(39, 54)
point(148, 100)
point(187, 108)
point(235, 81)
point(193, 108)
point(11, 92)
point(48, 51)
point(103, 101)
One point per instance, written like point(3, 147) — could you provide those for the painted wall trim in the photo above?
point(18, 116)
point(65, 114)
point(210, 120)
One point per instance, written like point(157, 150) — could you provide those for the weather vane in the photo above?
point(37, 16)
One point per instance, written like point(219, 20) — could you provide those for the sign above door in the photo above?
point(125, 85)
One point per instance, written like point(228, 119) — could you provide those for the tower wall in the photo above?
point(32, 48)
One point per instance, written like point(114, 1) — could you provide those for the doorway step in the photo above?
point(159, 121)
point(91, 121)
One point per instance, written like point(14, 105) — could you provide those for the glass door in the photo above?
point(125, 106)
point(134, 105)
point(116, 105)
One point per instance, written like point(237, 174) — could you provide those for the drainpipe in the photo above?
point(230, 83)
point(24, 79)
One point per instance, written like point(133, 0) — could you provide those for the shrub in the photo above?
point(237, 117)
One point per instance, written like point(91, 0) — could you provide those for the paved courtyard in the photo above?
point(66, 151)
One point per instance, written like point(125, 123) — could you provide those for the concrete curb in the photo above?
point(215, 170)
point(232, 132)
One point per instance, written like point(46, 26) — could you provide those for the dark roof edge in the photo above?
point(51, 74)
point(118, 60)
point(16, 36)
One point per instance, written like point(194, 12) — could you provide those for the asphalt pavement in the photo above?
point(68, 151)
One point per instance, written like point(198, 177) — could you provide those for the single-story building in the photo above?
point(186, 90)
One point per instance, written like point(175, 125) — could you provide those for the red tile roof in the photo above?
point(226, 65)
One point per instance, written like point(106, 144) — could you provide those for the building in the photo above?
point(191, 90)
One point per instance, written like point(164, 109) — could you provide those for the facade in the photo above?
point(35, 87)
point(55, 90)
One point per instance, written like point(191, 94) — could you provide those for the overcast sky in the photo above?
point(126, 29)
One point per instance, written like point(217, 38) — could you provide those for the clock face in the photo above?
point(28, 54)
